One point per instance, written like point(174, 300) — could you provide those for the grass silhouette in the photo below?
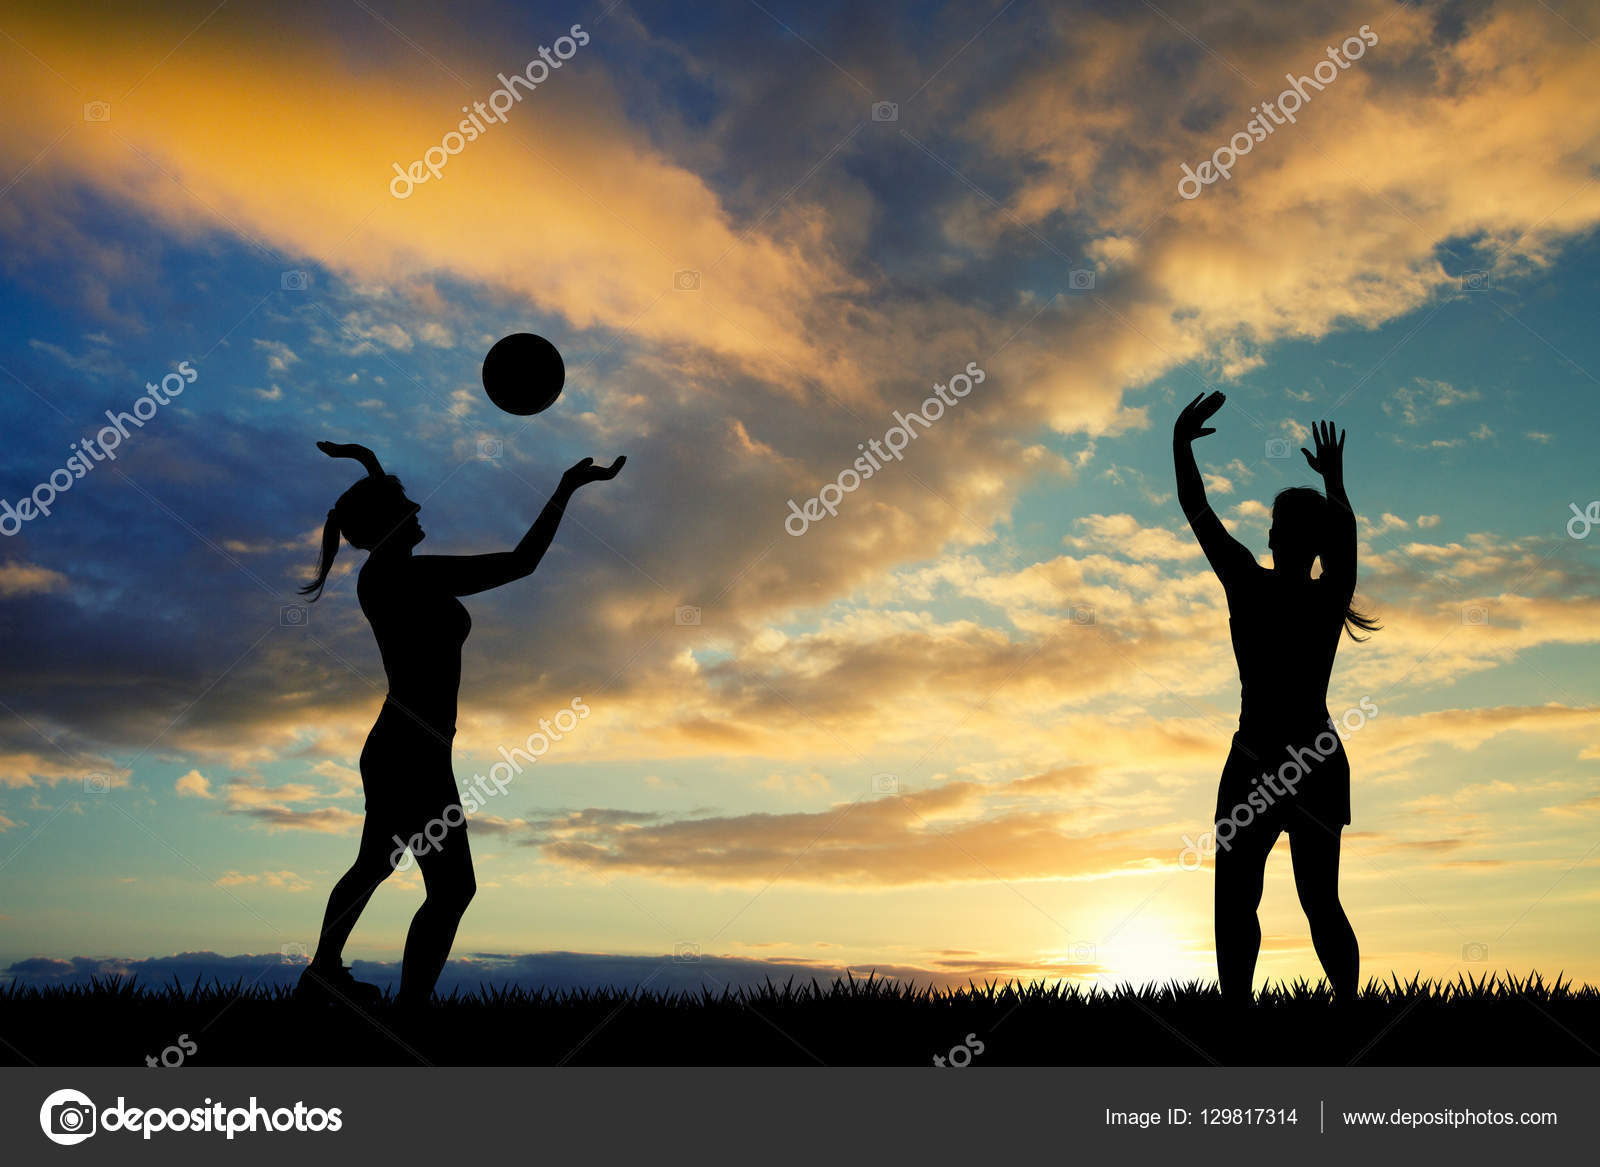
point(1493, 1020)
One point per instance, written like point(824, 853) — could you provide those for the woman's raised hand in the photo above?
point(1191, 423)
point(586, 471)
point(352, 450)
point(1328, 461)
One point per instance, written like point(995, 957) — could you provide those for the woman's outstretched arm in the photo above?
point(1339, 556)
point(1226, 554)
point(464, 575)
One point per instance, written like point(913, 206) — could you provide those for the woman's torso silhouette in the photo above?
point(420, 629)
point(1285, 635)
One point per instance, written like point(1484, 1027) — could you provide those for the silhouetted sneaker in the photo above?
point(324, 986)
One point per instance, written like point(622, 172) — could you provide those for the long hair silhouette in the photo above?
point(412, 804)
point(1286, 770)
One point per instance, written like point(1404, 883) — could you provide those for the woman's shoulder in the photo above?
point(378, 580)
point(1247, 579)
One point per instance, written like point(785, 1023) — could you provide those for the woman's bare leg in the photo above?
point(1241, 868)
point(350, 895)
point(1315, 849)
point(447, 873)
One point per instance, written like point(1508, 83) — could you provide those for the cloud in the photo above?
point(22, 579)
point(1467, 729)
point(274, 807)
point(244, 793)
point(24, 767)
point(936, 835)
point(1126, 536)
point(1416, 402)
point(328, 820)
point(282, 880)
point(1578, 808)
point(279, 355)
point(97, 362)
point(663, 972)
point(193, 785)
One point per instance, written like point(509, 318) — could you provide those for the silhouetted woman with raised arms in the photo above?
point(1287, 769)
point(420, 625)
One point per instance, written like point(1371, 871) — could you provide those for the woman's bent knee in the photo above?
point(1322, 909)
point(367, 873)
point(454, 895)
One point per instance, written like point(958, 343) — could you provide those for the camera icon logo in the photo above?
point(97, 111)
point(1475, 952)
point(686, 953)
point(490, 449)
point(1081, 280)
point(67, 1117)
point(686, 616)
point(1082, 615)
point(1474, 614)
point(293, 615)
point(885, 784)
point(885, 111)
point(96, 783)
point(1081, 950)
point(1277, 448)
point(1474, 281)
point(294, 281)
point(294, 953)
point(686, 280)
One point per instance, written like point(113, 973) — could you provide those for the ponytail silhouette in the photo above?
point(350, 517)
point(330, 547)
point(1355, 618)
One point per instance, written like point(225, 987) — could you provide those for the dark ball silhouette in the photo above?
point(523, 373)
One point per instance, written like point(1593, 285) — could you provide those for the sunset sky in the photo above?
point(964, 726)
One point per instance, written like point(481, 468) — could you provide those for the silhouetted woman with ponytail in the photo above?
point(1287, 769)
point(420, 625)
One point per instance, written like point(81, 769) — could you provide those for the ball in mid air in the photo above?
point(523, 373)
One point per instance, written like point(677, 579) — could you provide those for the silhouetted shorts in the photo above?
point(407, 778)
point(1285, 785)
